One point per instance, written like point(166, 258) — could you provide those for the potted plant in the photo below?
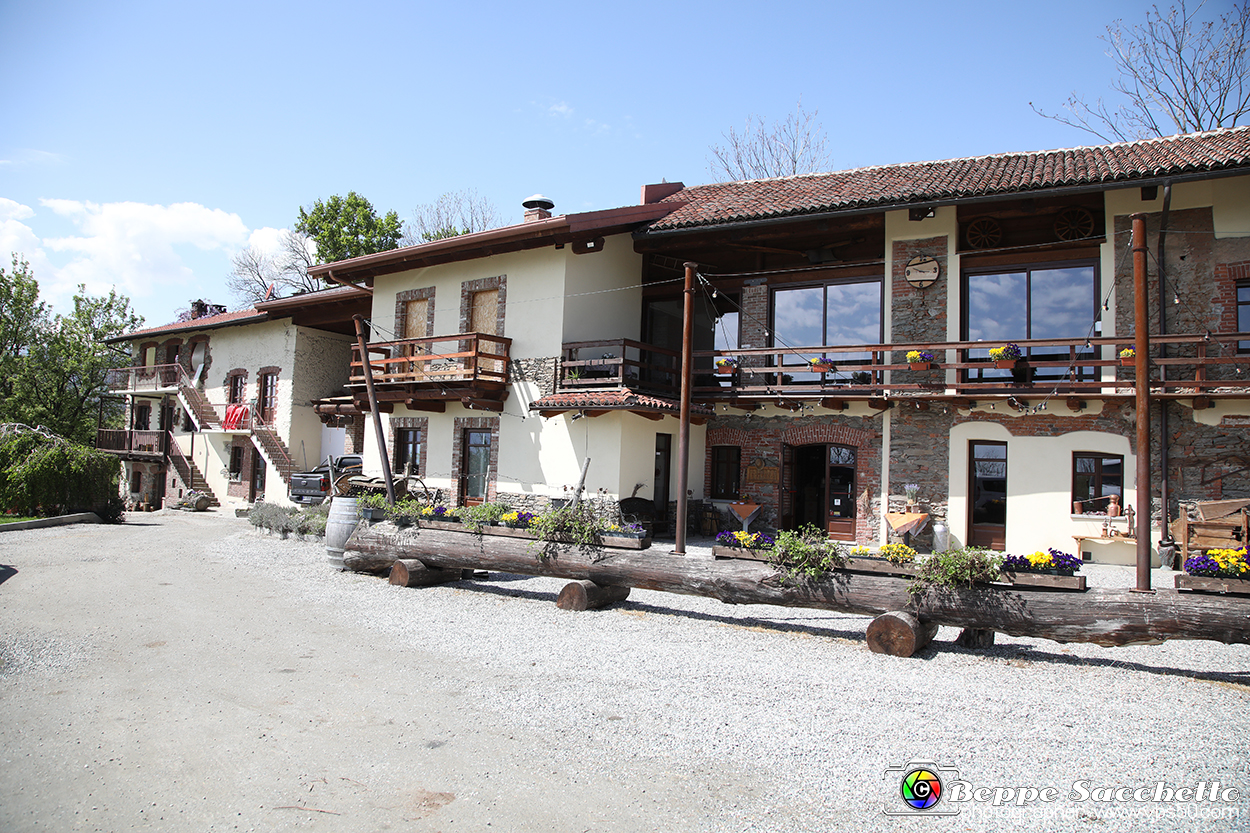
point(1128, 357)
point(372, 506)
point(820, 364)
point(624, 530)
point(920, 359)
point(726, 365)
point(437, 513)
point(516, 519)
point(911, 490)
point(404, 512)
point(1006, 356)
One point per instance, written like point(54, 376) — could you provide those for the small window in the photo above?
point(408, 450)
point(187, 423)
point(237, 383)
point(136, 482)
point(1096, 476)
point(726, 470)
point(143, 417)
point(236, 463)
point(1243, 314)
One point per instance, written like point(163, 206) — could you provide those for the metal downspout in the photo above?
point(1165, 533)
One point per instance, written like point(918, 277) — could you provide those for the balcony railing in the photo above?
point(460, 358)
point(619, 363)
point(147, 377)
point(1194, 364)
point(132, 442)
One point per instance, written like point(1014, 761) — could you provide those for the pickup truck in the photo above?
point(312, 487)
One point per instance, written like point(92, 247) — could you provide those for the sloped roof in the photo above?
point(612, 400)
point(208, 322)
point(954, 179)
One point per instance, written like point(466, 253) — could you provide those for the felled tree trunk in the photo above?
point(1103, 617)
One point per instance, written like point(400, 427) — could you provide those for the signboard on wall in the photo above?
point(763, 472)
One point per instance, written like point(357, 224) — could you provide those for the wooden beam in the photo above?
point(437, 407)
point(494, 405)
point(879, 404)
point(652, 415)
point(1201, 403)
point(1075, 403)
point(383, 407)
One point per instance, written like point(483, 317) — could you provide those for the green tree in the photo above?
point(20, 315)
point(348, 227)
point(59, 381)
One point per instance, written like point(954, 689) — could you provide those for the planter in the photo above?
point(1129, 362)
point(822, 367)
point(373, 514)
point(725, 371)
point(719, 551)
point(920, 365)
point(1006, 364)
point(880, 566)
point(1050, 579)
point(1211, 584)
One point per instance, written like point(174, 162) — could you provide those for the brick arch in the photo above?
point(825, 433)
point(727, 436)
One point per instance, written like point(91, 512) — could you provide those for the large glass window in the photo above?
point(830, 314)
point(476, 465)
point(1052, 301)
point(1097, 476)
point(726, 468)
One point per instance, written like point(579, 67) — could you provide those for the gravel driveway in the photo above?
point(184, 672)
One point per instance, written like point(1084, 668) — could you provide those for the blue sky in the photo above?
point(143, 143)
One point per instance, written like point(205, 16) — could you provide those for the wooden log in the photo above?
point(586, 595)
point(1101, 616)
point(899, 634)
point(975, 638)
point(409, 572)
point(367, 562)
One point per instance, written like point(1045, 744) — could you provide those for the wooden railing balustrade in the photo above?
point(459, 358)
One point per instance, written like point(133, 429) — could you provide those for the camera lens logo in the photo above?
point(922, 789)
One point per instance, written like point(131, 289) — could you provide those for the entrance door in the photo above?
point(820, 484)
point(663, 463)
point(258, 477)
point(476, 449)
point(987, 490)
point(267, 402)
point(170, 374)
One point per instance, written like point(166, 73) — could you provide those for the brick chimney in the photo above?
point(537, 208)
point(660, 190)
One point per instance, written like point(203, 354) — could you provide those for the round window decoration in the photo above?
point(922, 272)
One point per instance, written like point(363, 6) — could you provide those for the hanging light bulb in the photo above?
point(715, 293)
point(1176, 299)
point(1106, 306)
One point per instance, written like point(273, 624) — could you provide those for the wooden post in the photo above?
point(899, 634)
point(1142, 347)
point(683, 428)
point(367, 366)
point(975, 638)
point(586, 595)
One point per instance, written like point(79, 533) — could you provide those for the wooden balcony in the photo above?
point(619, 363)
point(133, 445)
point(149, 378)
point(1202, 367)
point(425, 373)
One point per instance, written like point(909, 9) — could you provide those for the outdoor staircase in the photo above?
point(201, 410)
point(270, 444)
point(191, 476)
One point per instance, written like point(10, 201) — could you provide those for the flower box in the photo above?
point(721, 551)
point(1006, 364)
point(1130, 361)
point(920, 365)
point(1049, 579)
point(822, 367)
point(1207, 584)
point(880, 566)
point(725, 370)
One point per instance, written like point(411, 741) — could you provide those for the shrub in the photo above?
point(42, 474)
point(574, 524)
point(960, 567)
point(806, 554)
point(484, 514)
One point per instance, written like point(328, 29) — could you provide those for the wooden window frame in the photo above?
point(1097, 475)
point(1243, 313)
point(726, 471)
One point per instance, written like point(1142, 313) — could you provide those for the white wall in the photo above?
point(613, 275)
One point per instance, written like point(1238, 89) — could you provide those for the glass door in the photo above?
point(987, 490)
point(476, 445)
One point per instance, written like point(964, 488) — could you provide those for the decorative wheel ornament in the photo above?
point(1074, 224)
point(984, 233)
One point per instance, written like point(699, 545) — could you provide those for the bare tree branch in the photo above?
point(1177, 74)
point(453, 214)
point(256, 274)
point(760, 151)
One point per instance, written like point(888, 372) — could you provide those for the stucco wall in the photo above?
point(604, 314)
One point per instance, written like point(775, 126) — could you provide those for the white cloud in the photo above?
point(562, 109)
point(10, 210)
point(132, 246)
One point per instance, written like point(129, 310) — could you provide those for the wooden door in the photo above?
point(267, 402)
point(416, 325)
point(787, 499)
point(987, 495)
point(663, 470)
point(170, 375)
point(257, 488)
point(484, 318)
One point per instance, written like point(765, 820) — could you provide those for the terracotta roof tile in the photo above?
point(612, 400)
point(921, 182)
point(208, 321)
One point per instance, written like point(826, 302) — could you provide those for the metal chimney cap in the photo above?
point(538, 201)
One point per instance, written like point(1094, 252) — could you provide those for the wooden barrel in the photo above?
point(339, 527)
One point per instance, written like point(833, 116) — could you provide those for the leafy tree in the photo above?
point(760, 151)
point(41, 473)
point(20, 314)
point(59, 380)
point(453, 214)
point(348, 227)
point(1177, 74)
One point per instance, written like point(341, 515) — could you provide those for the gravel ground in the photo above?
point(480, 704)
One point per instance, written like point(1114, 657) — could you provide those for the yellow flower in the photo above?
point(1040, 559)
